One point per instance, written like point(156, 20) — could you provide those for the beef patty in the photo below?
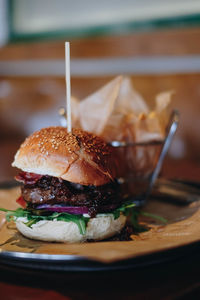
point(53, 190)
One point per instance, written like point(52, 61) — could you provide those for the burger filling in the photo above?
point(47, 198)
point(52, 193)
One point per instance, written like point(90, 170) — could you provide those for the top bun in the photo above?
point(79, 157)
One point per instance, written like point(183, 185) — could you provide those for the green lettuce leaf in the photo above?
point(19, 212)
point(80, 220)
point(127, 209)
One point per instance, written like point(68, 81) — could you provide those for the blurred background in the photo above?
point(155, 42)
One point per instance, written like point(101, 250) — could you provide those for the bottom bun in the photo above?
point(98, 228)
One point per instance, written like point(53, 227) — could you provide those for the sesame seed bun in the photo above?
point(59, 231)
point(79, 157)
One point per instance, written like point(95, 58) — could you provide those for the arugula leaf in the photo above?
point(31, 222)
point(127, 209)
point(136, 225)
point(80, 221)
point(19, 212)
point(33, 219)
point(152, 216)
point(134, 221)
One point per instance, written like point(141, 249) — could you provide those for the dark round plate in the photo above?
point(76, 263)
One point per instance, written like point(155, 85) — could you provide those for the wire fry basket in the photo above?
point(139, 163)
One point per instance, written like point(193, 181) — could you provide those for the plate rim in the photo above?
point(77, 263)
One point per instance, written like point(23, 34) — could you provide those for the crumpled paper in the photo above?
point(117, 112)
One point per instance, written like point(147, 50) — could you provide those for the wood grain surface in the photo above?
point(162, 42)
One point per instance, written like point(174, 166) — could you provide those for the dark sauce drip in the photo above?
point(123, 235)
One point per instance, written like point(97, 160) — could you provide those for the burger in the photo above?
point(69, 190)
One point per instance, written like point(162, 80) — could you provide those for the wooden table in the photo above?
point(179, 279)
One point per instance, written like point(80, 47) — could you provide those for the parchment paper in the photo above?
point(117, 112)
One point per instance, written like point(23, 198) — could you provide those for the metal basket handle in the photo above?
point(173, 124)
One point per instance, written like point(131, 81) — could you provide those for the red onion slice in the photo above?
point(76, 210)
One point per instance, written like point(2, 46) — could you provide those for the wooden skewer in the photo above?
point(68, 86)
